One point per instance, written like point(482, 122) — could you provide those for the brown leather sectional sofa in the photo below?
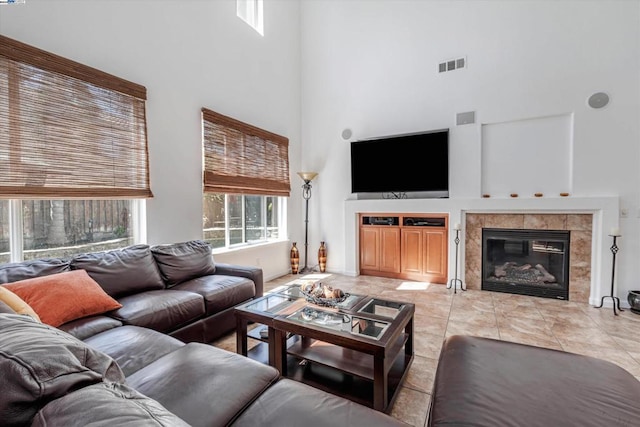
point(135, 376)
point(175, 289)
point(130, 367)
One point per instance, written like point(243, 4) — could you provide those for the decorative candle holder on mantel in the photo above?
point(455, 281)
point(615, 233)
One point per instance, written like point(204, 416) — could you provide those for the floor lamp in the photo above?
point(307, 177)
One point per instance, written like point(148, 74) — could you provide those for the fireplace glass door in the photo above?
point(528, 262)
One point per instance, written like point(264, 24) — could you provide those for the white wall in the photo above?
point(189, 54)
point(372, 67)
point(365, 65)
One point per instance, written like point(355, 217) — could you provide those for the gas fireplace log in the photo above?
point(501, 270)
point(546, 276)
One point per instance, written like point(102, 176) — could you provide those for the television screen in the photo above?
point(404, 163)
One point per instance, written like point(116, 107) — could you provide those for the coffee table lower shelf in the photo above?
point(341, 371)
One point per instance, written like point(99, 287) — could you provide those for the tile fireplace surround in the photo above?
point(580, 226)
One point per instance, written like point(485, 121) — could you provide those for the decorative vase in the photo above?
point(634, 301)
point(322, 257)
point(295, 259)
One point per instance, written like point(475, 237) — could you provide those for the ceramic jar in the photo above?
point(295, 259)
point(322, 257)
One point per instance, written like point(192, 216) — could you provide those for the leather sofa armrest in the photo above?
point(251, 273)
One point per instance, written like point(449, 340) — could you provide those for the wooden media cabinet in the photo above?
point(404, 246)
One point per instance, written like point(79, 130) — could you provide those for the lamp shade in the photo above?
point(307, 176)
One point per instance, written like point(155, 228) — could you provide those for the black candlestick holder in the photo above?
point(455, 281)
point(616, 301)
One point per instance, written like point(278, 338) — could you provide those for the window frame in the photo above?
point(16, 226)
point(281, 223)
point(251, 12)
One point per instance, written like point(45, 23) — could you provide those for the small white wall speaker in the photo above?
point(598, 100)
point(346, 134)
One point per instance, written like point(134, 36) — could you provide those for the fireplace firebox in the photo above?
point(527, 262)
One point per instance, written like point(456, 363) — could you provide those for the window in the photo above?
point(250, 11)
point(60, 228)
point(246, 182)
point(5, 232)
point(232, 219)
point(69, 135)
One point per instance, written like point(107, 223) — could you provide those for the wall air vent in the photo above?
point(452, 64)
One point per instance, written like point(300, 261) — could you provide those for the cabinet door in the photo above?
point(411, 254)
point(435, 252)
point(370, 248)
point(390, 250)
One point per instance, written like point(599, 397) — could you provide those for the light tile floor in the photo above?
point(562, 325)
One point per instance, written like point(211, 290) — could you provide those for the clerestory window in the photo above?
point(251, 12)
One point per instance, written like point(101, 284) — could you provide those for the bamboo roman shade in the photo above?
point(243, 159)
point(68, 130)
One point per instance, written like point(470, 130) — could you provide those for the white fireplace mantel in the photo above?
point(605, 212)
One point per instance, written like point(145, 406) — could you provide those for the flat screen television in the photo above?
point(414, 163)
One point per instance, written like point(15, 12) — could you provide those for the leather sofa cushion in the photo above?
point(28, 269)
point(133, 347)
point(163, 311)
point(292, 403)
point(486, 382)
point(106, 404)
point(123, 271)
point(40, 363)
point(220, 384)
point(252, 273)
point(220, 292)
point(89, 326)
point(180, 262)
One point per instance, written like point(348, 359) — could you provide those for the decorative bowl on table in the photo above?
point(323, 295)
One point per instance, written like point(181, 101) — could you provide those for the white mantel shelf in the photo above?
point(605, 212)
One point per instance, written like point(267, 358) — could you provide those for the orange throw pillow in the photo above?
point(61, 298)
point(16, 303)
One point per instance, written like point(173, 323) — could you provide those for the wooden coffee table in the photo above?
point(362, 352)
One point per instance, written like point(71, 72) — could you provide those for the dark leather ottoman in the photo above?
point(485, 382)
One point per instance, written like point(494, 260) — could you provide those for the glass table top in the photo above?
point(340, 322)
point(382, 308)
point(272, 303)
